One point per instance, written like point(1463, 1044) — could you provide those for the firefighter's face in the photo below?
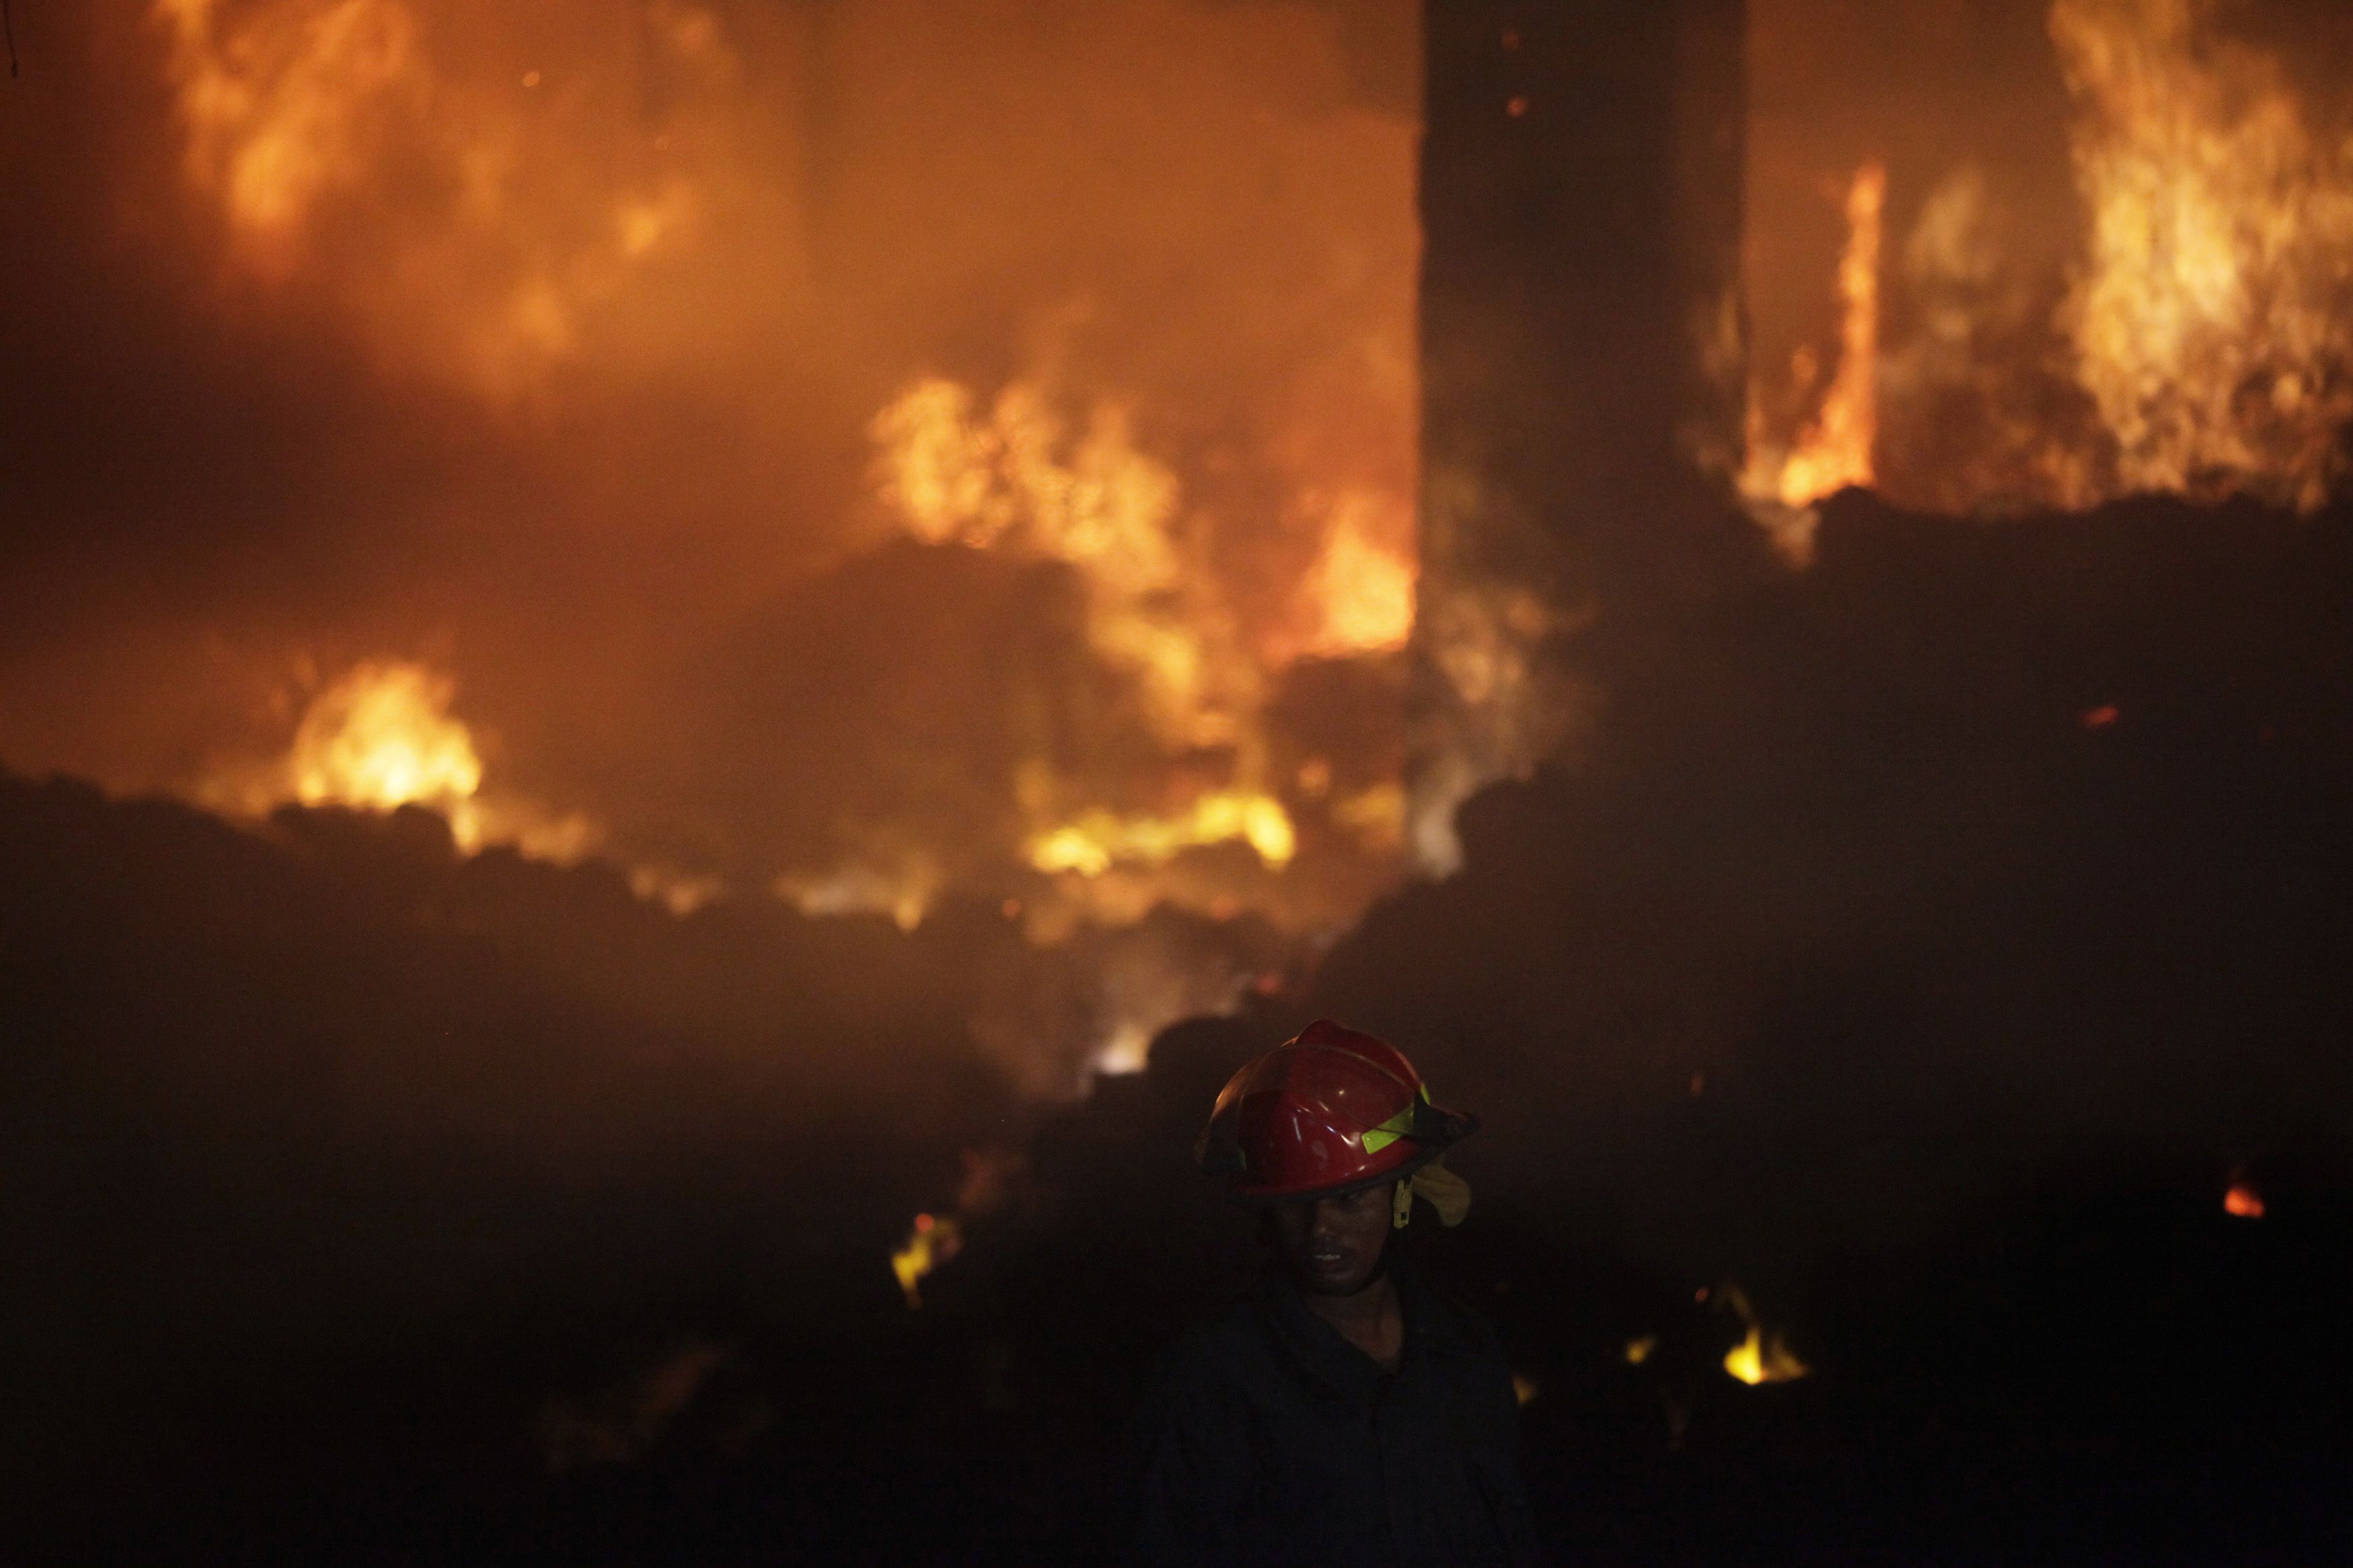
point(1333, 1246)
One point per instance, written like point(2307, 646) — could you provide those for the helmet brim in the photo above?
point(1449, 1128)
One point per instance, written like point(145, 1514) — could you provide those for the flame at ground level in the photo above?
point(381, 737)
point(931, 1241)
point(1763, 1358)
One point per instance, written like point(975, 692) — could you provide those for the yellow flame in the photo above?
point(1638, 1350)
point(931, 1241)
point(1099, 840)
point(381, 737)
point(2210, 320)
point(1763, 1358)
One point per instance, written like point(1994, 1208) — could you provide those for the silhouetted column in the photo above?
point(1581, 359)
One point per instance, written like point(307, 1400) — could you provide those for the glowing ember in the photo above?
point(381, 737)
point(2243, 1200)
point(933, 1240)
point(1638, 1350)
point(2100, 718)
point(2209, 319)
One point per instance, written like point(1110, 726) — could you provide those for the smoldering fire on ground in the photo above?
point(717, 707)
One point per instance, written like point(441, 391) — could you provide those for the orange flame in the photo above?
point(1360, 591)
point(2209, 319)
point(381, 737)
point(1013, 476)
point(1834, 451)
point(2243, 1200)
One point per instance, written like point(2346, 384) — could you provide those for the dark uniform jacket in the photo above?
point(1273, 1440)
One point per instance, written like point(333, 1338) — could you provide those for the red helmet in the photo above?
point(1331, 1110)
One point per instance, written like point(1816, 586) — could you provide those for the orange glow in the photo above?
point(2207, 316)
point(2243, 1200)
point(1012, 475)
point(378, 154)
point(2100, 718)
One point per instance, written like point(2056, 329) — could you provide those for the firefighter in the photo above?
point(1346, 1413)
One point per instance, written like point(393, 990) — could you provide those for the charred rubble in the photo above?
point(1935, 936)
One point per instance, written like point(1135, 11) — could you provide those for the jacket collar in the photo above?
point(1431, 1330)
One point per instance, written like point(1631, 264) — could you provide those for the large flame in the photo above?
point(1014, 476)
point(2213, 318)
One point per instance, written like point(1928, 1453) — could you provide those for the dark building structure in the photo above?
point(1582, 361)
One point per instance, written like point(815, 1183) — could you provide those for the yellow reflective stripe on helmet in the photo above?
point(1379, 1138)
